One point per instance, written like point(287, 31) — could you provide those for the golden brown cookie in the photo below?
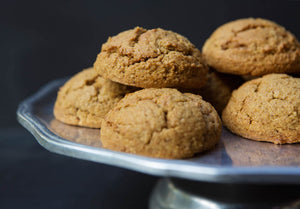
point(218, 88)
point(151, 58)
point(163, 123)
point(266, 109)
point(86, 98)
point(252, 47)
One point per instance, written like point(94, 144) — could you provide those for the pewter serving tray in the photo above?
point(234, 160)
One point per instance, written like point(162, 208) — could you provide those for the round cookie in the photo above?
point(151, 58)
point(218, 88)
point(86, 98)
point(252, 47)
point(163, 123)
point(266, 109)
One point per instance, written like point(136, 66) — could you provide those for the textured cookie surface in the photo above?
point(163, 123)
point(86, 98)
point(151, 58)
point(252, 47)
point(266, 109)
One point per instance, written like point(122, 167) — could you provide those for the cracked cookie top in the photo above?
point(151, 58)
point(86, 98)
point(266, 109)
point(252, 47)
point(163, 123)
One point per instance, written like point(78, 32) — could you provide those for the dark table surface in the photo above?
point(32, 177)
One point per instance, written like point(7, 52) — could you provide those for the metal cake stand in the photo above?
point(233, 175)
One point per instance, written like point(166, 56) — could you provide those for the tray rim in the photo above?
point(160, 167)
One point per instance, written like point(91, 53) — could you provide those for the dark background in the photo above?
point(44, 40)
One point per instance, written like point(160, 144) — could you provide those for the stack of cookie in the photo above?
point(266, 108)
point(157, 121)
point(144, 89)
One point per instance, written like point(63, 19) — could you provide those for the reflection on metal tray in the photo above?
point(234, 160)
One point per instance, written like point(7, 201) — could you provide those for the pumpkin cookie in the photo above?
point(163, 123)
point(86, 98)
point(266, 109)
point(151, 58)
point(252, 47)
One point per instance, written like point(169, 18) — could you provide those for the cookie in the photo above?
point(86, 98)
point(252, 47)
point(151, 59)
point(162, 123)
point(266, 109)
point(218, 88)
